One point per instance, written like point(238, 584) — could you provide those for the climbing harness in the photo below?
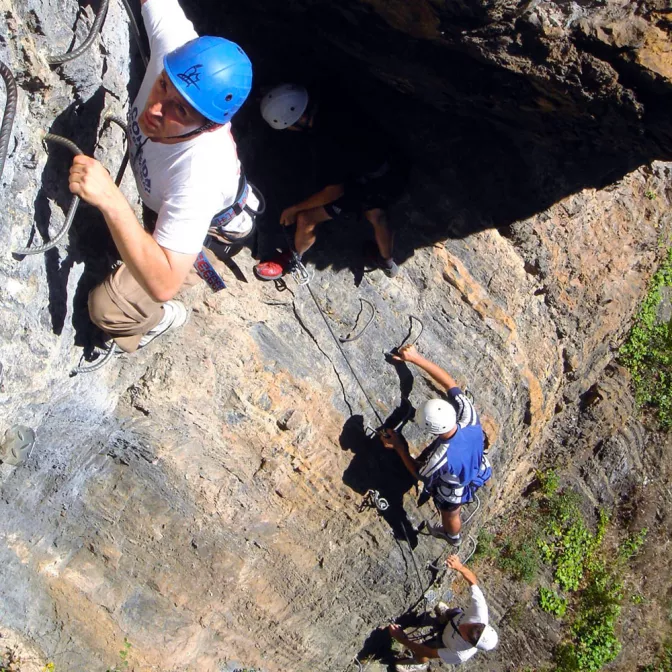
point(50, 137)
point(351, 338)
point(17, 445)
point(95, 28)
point(372, 498)
point(9, 114)
point(203, 267)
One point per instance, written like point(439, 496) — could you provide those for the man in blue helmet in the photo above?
point(186, 168)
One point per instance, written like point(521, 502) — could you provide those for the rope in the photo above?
point(103, 359)
point(345, 357)
point(50, 137)
point(111, 118)
point(10, 113)
point(350, 339)
point(86, 45)
point(135, 31)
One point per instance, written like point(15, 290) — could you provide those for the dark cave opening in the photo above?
point(487, 146)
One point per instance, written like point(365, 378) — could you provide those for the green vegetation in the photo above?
point(647, 352)
point(122, 665)
point(589, 590)
point(552, 603)
point(520, 559)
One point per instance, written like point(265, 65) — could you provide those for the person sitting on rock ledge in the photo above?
point(455, 465)
point(465, 633)
point(186, 168)
point(357, 169)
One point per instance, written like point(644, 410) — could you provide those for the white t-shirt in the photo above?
point(189, 182)
point(457, 649)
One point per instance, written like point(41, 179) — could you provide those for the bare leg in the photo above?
point(306, 221)
point(452, 523)
point(381, 230)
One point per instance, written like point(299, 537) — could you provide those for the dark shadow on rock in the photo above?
point(88, 239)
point(378, 645)
point(489, 146)
point(375, 468)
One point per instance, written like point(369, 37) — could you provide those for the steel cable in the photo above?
point(136, 31)
point(9, 114)
point(95, 28)
point(50, 137)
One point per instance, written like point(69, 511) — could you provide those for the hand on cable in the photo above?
point(90, 180)
point(453, 561)
point(288, 216)
point(390, 439)
point(397, 632)
point(406, 353)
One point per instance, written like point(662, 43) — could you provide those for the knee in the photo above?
point(98, 300)
point(377, 217)
point(305, 222)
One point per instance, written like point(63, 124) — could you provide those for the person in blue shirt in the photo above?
point(455, 465)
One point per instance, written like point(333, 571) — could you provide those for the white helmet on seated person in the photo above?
point(437, 416)
point(488, 639)
point(283, 105)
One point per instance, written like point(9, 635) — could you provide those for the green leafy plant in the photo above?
point(651, 195)
point(485, 546)
point(549, 481)
point(552, 603)
point(123, 658)
point(520, 559)
point(647, 352)
point(632, 545)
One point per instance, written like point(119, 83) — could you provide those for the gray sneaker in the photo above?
point(389, 267)
point(174, 316)
point(436, 530)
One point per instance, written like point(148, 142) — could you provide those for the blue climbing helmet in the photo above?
point(213, 74)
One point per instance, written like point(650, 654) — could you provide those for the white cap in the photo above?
point(283, 106)
point(488, 639)
point(437, 416)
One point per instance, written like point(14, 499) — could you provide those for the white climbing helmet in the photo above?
point(488, 639)
point(283, 106)
point(437, 416)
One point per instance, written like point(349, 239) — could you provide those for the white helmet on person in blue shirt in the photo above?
point(437, 416)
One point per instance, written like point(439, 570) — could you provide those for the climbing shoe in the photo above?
point(174, 316)
point(275, 268)
point(410, 665)
point(436, 530)
point(389, 267)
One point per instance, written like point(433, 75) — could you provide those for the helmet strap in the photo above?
point(205, 127)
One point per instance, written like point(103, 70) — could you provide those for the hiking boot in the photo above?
point(275, 268)
point(174, 316)
point(410, 665)
point(436, 530)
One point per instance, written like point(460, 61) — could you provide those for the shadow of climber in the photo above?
point(88, 240)
point(374, 468)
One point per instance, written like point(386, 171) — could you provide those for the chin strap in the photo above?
point(206, 127)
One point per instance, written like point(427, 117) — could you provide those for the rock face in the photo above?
point(201, 497)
